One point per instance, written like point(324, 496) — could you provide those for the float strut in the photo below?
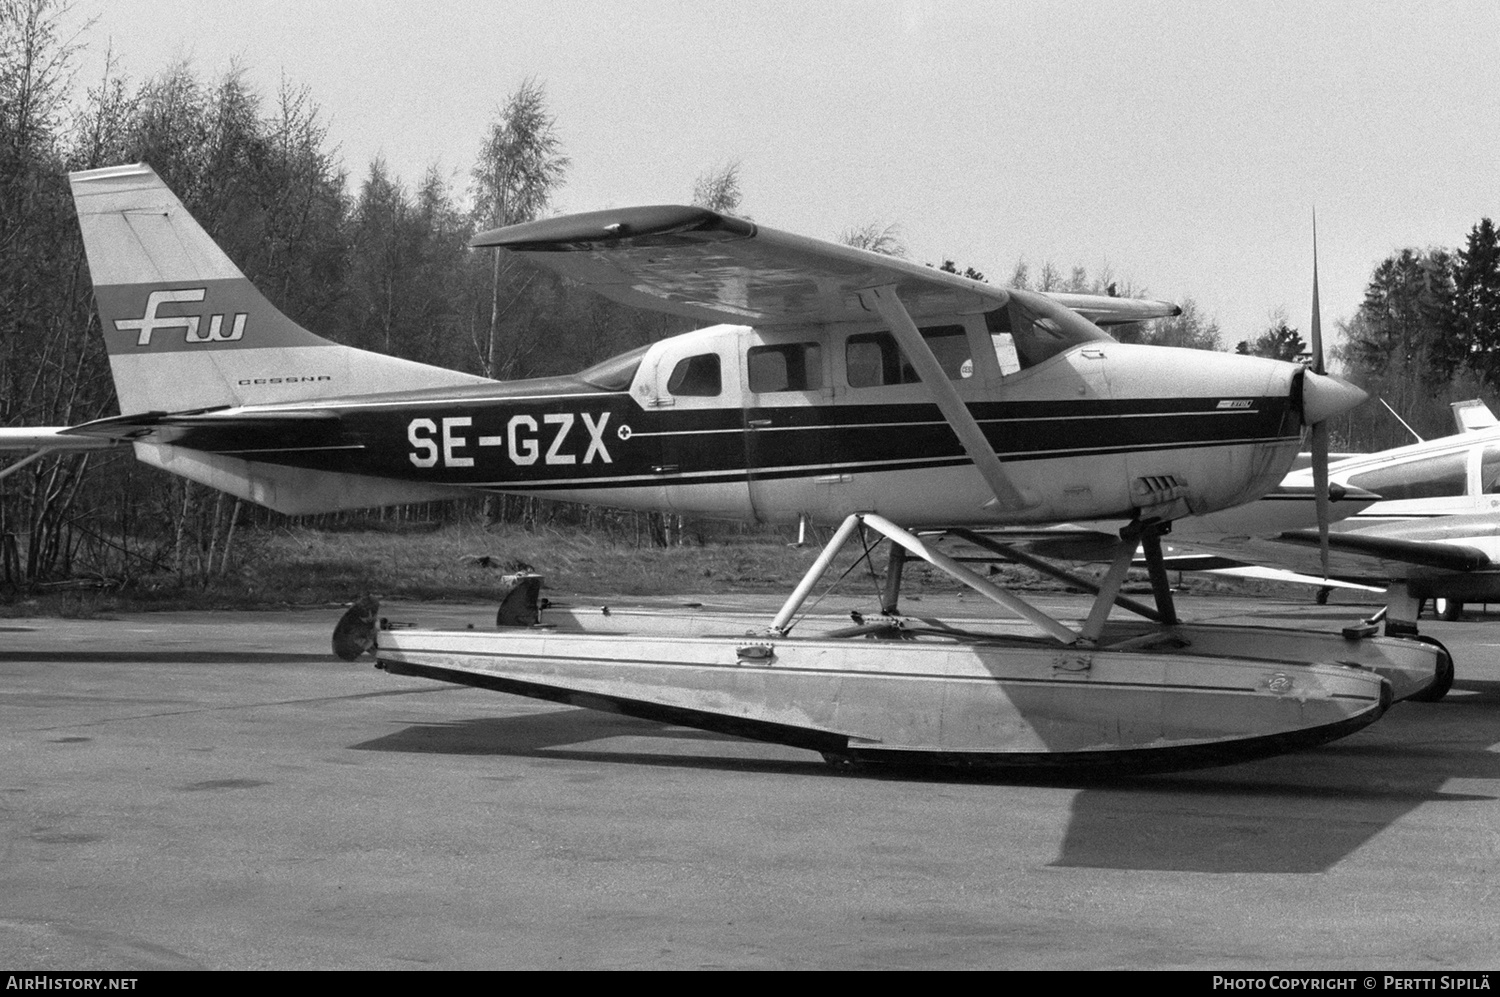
point(1157, 567)
point(891, 596)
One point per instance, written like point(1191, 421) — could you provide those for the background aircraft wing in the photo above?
point(1398, 550)
point(1259, 573)
point(695, 262)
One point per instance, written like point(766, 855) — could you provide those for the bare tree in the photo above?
point(877, 238)
point(1050, 279)
point(1191, 328)
point(35, 69)
point(718, 189)
point(1020, 275)
point(520, 166)
point(48, 364)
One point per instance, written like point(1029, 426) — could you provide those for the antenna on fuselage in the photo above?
point(1402, 421)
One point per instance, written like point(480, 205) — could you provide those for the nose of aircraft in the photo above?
point(1325, 396)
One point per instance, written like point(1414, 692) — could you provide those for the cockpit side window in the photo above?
point(997, 324)
point(1040, 328)
point(1433, 477)
point(696, 376)
point(785, 367)
point(873, 359)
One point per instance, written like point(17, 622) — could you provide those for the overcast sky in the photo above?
point(1184, 145)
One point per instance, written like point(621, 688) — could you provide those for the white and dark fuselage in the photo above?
point(1100, 430)
point(865, 384)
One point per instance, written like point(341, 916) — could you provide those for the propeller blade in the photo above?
point(1320, 427)
point(1320, 489)
point(1317, 322)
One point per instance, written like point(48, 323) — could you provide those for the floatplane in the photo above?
point(834, 386)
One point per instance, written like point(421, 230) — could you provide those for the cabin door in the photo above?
point(788, 416)
point(695, 395)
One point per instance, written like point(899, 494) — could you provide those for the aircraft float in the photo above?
point(833, 386)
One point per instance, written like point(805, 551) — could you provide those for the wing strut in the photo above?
point(885, 301)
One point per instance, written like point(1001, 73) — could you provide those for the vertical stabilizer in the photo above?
point(185, 329)
point(1473, 416)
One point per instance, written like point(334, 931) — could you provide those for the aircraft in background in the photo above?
point(836, 386)
point(1433, 534)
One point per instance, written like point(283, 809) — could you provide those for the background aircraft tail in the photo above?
point(185, 329)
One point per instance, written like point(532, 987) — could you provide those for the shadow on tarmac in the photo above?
point(1299, 813)
point(546, 735)
point(148, 656)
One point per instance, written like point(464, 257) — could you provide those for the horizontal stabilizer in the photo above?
point(159, 425)
point(52, 438)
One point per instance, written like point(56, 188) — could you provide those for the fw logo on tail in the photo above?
point(151, 321)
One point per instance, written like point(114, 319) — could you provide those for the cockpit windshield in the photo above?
point(616, 373)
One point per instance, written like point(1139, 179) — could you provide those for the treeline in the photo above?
point(377, 263)
point(1426, 334)
point(370, 262)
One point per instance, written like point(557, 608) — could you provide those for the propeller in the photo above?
point(1323, 397)
point(1320, 428)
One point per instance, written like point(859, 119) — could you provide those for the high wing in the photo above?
point(695, 262)
point(698, 263)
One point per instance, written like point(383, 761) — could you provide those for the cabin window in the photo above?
point(696, 377)
point(1434, 477)
point(789, 367)
point(872, 359)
